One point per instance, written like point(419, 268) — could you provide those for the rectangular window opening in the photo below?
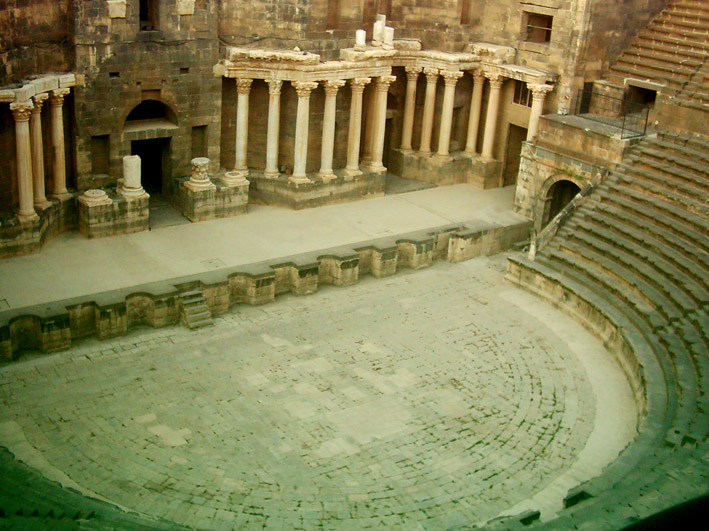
point(199, 141)
point(333, 14)
point(148, 15)
point(537, 27)
point(114, 74)
point(522, 96)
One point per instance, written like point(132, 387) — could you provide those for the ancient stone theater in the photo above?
point(499, 211)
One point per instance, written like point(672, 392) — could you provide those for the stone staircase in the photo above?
point(670, 50)
point(697, 88)
point(195, 312)
point(633, 262)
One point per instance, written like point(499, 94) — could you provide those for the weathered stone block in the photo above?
point(415, 254)
point(117, 8)
point(339, 270)
point(111, 321)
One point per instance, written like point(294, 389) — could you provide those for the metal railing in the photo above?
point(628, 116)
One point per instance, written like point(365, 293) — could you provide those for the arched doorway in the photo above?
point(559, 195)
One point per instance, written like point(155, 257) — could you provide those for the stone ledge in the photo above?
point(54, 326)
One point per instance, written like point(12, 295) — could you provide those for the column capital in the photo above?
point(539, 90)
point(332, 86)
point(478, 75)
point(357, 84)
point(243, 85)
point(39, 100)
point(383, 82)
point(57, 96)
point(274, 86)
point(431, 74)
point(412, 72)
point(22, 110)
point(451, 77)
point(495, 78)
point(304, 88)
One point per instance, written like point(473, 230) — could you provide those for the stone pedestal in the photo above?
point(199, 199)
point(102, 215)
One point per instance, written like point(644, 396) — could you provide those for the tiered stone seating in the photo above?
point(697, 89)
point(670, 50)
point(636, 253)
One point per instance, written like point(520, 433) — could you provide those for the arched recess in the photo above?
point(556, 193)
point(150, 112)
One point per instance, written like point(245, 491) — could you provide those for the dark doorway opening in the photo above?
point(640, 95)
point(559, 195)
point(515, 136)
point(154, 163)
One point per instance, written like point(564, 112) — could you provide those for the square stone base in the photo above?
point(219, 202)
point(458, 168)
point(120, 217)
point(282, 192)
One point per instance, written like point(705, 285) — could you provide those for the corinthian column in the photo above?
point(492, 109)
point(274, 124)
point(243, 87)
point(37, 146)
point(444, 138)
point(303, 88)
point(56, 99)
point(474, 119)
point(407, 131)
point(380, 117)
point(22, 112)
point(355, 133)
point(328, 129)
point(539, 92)
point(429, 106)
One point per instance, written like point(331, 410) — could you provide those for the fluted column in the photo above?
point(243, 87)
point(444, 138)
point(303, 88)
point(475, 106)
point(328, 129)
point(22, 112)
point(407, 131)
point(56, 99)
point(380, 118)
point(355, 133)
point(37, 147)
point(274, 126)
point(429, 106)
point(539, 92)
point(491, 118)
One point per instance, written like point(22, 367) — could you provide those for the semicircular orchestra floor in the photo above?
point(425, 400)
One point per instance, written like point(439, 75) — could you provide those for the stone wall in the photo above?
point(35, 36)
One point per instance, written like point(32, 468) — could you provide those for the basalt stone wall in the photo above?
point(124, 64)
point(35, 37)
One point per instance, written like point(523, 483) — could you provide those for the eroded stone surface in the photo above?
point(424, 401)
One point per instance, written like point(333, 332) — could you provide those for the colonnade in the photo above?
point(451, 78)
point(30, 152)
point(375, 140)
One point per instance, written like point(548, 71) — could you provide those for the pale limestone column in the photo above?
point(56, 99)
point(37, 146)
point(328, 129)
point(303, 88)
point(274, 124)
point(407, 131)
point(22, 112)
point(380, 120)
point(475, 106)
point(132, 178)
point(492, 110)
point(450, 78)
point(355, 133)
point(243, 87)
point(539, 92)
point(368, 150)
point(429, 106)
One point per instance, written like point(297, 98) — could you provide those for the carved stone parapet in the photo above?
point(451, 77)
point(304, 88)
point(243, 85)
point(22, 111)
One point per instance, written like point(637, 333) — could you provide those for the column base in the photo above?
point(274, 174)
point(327, 176)
point(200, 186)
point(42, 204)
point(241, 172)
point(232, 178)
point(442, 157)
point(374, 167)
point(350, 173)
point(133, 193)
point(26, 218)
point(62, 196)
point(299, 179)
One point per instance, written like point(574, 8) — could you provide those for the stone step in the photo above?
point(691, 227)
point(679, 31)
point(195, 311)
point(689, 15)
point(677, 23)
point(664, 276)
point(651, 37)
point(660, 186)
point(697, 144)
point(685, 271)
point(665, 78)
point(679, 176)
point(654, 226)
point(681, 153)
point(654, 63)
point(654, 49)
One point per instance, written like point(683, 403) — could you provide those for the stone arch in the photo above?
point(151, 109)
point(554, 195)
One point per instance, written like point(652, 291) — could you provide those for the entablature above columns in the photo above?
point(41, 85)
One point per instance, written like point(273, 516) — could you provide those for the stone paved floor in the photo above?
point(426, 400)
